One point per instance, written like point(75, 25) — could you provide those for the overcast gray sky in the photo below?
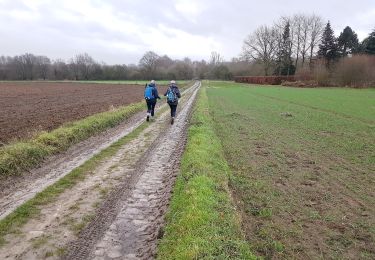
point(121, 31)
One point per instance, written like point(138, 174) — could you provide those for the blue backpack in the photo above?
point(171, 96)
point(148, 93)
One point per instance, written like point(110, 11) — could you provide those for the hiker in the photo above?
point(151, 96)
point(173, 94)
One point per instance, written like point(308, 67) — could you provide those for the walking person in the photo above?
point(173, 94)
point(151, 96)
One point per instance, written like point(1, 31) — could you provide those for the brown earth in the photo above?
point(28, 107)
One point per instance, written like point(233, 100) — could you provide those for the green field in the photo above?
point(303, 165)
point(201, 222)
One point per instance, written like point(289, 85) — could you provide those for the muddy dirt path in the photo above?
point(126, 187)
point(129, 222)
point(16, 190)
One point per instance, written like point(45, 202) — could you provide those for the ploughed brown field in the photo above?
point(28, 107)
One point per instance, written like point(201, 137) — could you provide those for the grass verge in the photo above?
point(31, 208)
point(20, 156)
point(201, 223)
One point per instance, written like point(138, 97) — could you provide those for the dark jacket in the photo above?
point(154, 93)
point(175, 89)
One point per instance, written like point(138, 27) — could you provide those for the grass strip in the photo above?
point(24, 155)
point(31, 208)
point(201, 222)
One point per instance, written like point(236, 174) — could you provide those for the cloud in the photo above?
point(190, 9)
point(121, 31)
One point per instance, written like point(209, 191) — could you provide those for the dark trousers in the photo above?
point(173, 109)
point(151, 106)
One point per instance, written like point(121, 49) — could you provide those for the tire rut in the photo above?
point(17, 190)
point(129, 221)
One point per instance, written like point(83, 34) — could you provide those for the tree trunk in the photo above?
point(311, 53)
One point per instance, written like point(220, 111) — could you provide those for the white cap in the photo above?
point(152, 81)
point(173, 82)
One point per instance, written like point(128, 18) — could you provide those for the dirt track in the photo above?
point(138, 178)
point(30, 107)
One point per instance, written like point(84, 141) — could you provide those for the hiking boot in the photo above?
point(172, 120)
point(148, 118)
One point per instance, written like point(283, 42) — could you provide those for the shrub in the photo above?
point(321, 74)
point(356, 71)
point(303, 73)
point(300, 83)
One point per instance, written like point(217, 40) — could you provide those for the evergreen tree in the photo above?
point(284, 61)
point(328, 49)
point(368, 44)
point(348, 42)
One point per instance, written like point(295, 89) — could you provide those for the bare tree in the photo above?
point(20, 67)
point(148, 64)
point(316, 31)
point(165, 62)
point(115, 72)
point(42, 66)
point(296, 28)
point(201, 69)
point(297, 25)
point(85, 65)
point(60, 70)
point(74, 68)
point(183, 70)
point(305, 34)
point(29, 61)
point(24, 66)
point(261, 46)
point(82, 66)
point(216, 58)
point(5, 68)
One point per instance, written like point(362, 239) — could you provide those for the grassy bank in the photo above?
point(20, 156)
point(31, 208)
point(201, 223)
point(303, 167)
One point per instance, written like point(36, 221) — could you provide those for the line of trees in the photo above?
point(298, 44)
point(295, 42)
point(331, 49)
point(81, 67)
point(84, 67)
